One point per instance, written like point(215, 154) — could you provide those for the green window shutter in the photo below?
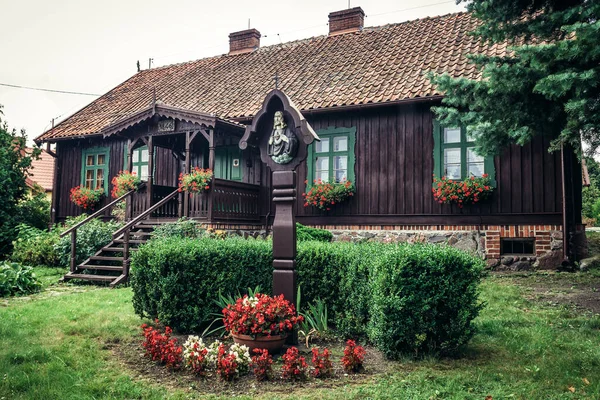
point(225, 158)
point(437, 150)
point(332, 135)
point(95, 167)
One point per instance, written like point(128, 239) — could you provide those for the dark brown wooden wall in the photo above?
point(393, 170)
point(394, 167)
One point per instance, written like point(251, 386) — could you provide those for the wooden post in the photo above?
point(284, 239)
point(126, 252)
point(55, 187)
point(187, 169)
point(150, 171)
point(73, 250)
point(211, 150)
point(128, 199)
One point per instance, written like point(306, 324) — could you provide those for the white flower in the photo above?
point(242, 355)
point(213, 352)
point(251, 301)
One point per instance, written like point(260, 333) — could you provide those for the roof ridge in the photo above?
point(298, 41)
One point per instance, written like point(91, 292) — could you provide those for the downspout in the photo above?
point(564, 206)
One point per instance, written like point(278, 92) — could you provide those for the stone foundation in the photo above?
point(483, 241)
point(480, 240)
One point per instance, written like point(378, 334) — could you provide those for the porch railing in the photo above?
point(73, 230)
point(234, 201)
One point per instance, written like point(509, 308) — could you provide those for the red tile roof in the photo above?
point(377, 65)
point(42, 171)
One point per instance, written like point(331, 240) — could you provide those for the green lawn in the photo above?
point(531, 345)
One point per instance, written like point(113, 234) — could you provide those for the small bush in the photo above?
point(425, 298)
point(354, 357)
point(183, 228)
point(177, 280)
point(91, 237)
point(323, 368)
point(16, 279)
point(35, 246)
point(304, 233)
point(161, 347)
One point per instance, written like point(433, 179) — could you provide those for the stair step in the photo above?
point(141, 233)
point(101, 267)
point(106, 258)
point(99, 278)
point(130, 241)
point(118, 249)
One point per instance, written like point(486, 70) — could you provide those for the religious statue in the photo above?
point(283, 143)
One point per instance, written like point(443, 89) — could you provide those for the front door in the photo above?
point(228, 163)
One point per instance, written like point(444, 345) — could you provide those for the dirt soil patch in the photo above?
point(579, 290)
point(132, 356)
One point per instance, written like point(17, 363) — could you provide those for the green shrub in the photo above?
point(91, 237)
point(305, 233)
point(408, 298)
point(183, 228)
point(17, 279)
point(425, 298)
point(35, 246)
point(177, 280)
point(35, 210)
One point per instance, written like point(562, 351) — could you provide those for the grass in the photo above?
point(55, 344)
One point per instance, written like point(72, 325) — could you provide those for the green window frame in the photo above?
point(333, 157)
point(140, 162)
point(454, 155)
point(94, 168)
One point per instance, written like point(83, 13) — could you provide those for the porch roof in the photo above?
point(203, 119)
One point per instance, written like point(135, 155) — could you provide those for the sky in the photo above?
point(92, 46)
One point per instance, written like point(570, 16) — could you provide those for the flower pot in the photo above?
point(272, 343)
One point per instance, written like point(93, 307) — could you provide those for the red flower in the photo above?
point(353, 358)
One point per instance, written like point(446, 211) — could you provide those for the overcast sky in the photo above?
point(92, 46)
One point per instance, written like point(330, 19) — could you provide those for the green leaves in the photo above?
point(16, 279)
point(547, 83)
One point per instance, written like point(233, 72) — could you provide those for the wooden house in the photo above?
point(365, 93)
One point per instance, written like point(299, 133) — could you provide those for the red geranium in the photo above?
point(294, 366)
point(353, 358)
point(323, 195)
point(86, 198)
point(261, 315)
point(322, 364)
point(124, 182)
point(160, 347)
point(471, 190)
point(262, 364)
point(196, 181)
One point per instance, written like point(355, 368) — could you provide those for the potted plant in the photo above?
point(469, 191)
point(261, 321)
point(86, 198)
point(324, 195)
point(124, 182)
point(196, 181)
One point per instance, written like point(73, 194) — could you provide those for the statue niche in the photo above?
point(283, 144)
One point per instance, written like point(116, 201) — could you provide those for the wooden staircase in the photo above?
point(108, 264)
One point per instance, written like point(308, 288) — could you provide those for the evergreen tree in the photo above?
point(548, 82)
point(14, 165)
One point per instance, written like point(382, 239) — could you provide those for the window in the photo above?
point(139, 162)
point(228, 163)
point(455, 157)
point(517, 246)
point(332, 159)
point(94, 172)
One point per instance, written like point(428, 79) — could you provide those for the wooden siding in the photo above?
point(393, 170)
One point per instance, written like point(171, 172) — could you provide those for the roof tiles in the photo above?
point(376, 65)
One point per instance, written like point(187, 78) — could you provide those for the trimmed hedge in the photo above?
point(411, 299)
point(306, 233)
point(424, 300)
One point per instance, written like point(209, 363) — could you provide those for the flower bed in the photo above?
point(324, 195)
point(469, 191)
point(86, 198)
point(196, 181)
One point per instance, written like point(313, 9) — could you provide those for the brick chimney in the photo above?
point(345, 21)
point(244, 41)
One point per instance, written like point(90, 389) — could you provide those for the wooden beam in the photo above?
point(55, 188)
point(187, 169)
point(150, 171)
point(205, 133)
point(129, 200)
point(211, 149)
